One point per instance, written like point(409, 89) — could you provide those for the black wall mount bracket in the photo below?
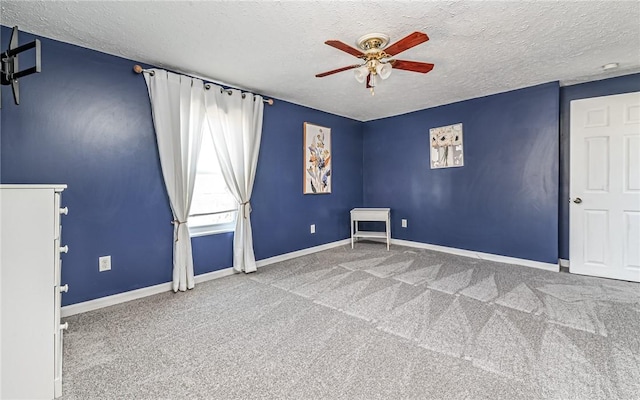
point(9, 63)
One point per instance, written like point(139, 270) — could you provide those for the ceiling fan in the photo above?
point(376, 57)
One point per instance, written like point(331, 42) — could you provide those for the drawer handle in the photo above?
point(64, 211)
point(64, 289)
point(64, 327)
point(64, 249)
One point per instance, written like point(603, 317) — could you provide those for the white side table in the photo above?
point(370, 214)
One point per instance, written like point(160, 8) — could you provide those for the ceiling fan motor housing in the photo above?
point(373, 44)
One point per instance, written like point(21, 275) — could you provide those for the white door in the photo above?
point(604, 214)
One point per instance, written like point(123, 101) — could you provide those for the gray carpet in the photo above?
point(366, 324)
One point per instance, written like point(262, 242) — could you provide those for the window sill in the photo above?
point(206, 230)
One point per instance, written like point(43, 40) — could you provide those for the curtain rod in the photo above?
point(138, 70)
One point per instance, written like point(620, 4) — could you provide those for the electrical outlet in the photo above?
point(404, 223)
point(104, 263)
point(313, 228)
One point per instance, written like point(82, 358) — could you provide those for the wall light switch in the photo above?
point(404, 223)
point(104, 263)
point(313, 228)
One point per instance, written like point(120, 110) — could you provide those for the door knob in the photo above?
point(578, 200)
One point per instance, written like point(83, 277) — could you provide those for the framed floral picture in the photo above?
point(446, 146)
point(317, 159)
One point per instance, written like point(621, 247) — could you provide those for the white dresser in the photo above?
point(30, 291)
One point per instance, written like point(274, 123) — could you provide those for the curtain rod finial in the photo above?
point(137, 69)
point(270, 102)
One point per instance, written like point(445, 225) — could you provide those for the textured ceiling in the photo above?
point(276, 48)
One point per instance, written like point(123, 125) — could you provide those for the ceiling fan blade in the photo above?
point(406, 43)
point(344, 47)
point(335, 71)
point(414, 66)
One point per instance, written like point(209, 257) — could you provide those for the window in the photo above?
point(213, 208)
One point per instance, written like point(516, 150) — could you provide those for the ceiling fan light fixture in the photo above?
point(361, 73)
point(384, 70)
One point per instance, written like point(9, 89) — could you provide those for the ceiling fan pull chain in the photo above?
point(372, 84)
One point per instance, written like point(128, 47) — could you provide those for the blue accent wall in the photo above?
point(86, 121)
point(504, 200)
point(282, 214)
point(605, 87)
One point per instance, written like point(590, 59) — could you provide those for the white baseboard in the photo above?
point(303, 252)
point(165, 287)
point(221, 273)
point(477, 254)
point(114, 299)
point(563, 263)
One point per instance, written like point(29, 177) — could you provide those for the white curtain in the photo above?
point(177, 103)
point(235, 119)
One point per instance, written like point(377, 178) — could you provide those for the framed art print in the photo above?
point(317, 159)
point(446, 148)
